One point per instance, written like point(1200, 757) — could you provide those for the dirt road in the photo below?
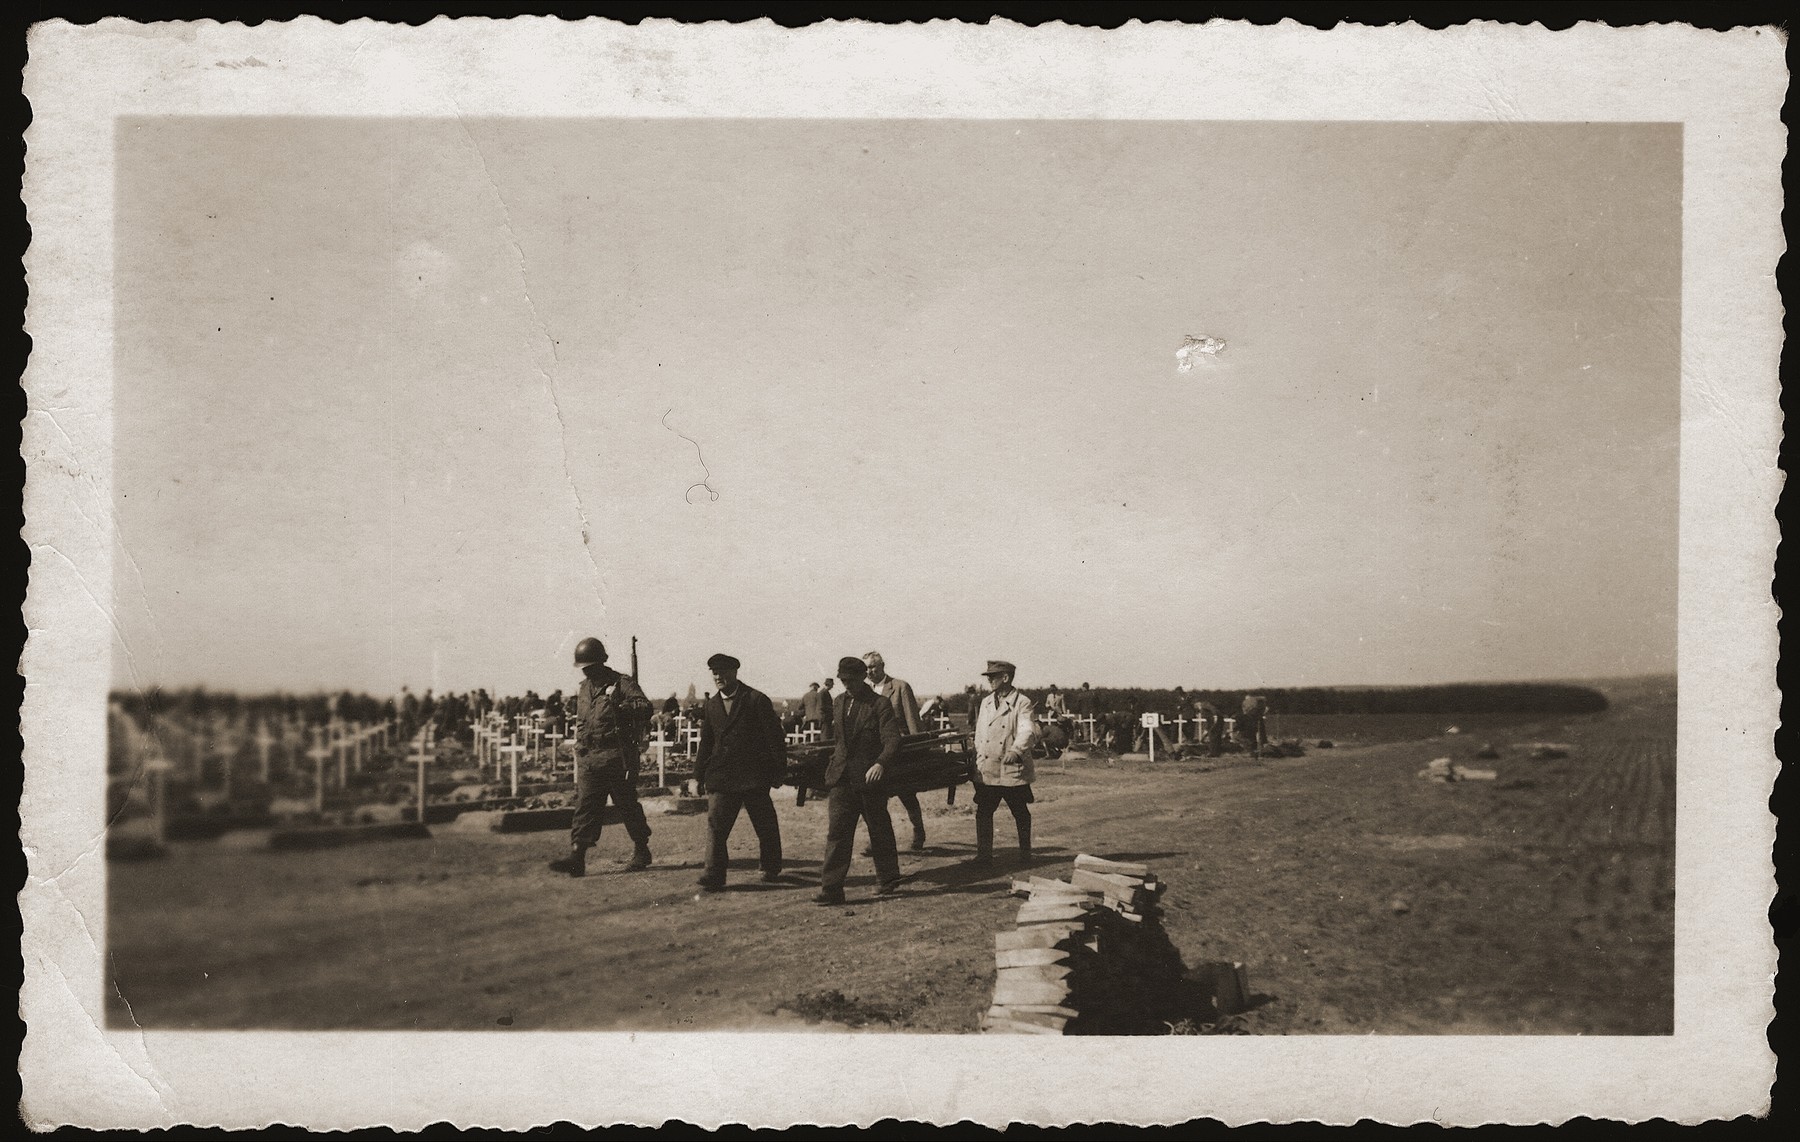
point(1360, 897)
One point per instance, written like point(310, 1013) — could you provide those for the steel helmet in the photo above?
point(590, 652)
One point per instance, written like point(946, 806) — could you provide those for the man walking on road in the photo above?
point(906, 712)
point(611, 714)
point(868, 737)
point(813, 711)
point(1005, 730)
point(742, 753)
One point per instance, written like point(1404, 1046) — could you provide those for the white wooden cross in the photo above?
point(319, 752)
point(513, 749)
point(421, 754)
point(265, 741)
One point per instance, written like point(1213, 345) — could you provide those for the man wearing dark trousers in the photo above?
point(1005, 731)
point(868, 737)
point(611, 714)
point(743, 752)
point(814, 712)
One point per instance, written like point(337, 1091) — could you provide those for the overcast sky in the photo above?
point(424, 402)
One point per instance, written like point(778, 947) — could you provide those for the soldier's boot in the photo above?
point(917, 816)
point(575, 864)
point(918, 840)
point(1024, 842)
point(984, 840)
point(640, 859)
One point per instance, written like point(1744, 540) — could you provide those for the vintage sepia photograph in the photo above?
point(518, 523)
point(962, 576)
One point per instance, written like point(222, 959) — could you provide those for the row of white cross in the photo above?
point(347, 743)
point(499, 746)
point(342, 742)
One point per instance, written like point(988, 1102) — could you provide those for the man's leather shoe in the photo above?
point(892, 888)
point(826, 896)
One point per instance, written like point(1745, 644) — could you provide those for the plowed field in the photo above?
point(1360, 897)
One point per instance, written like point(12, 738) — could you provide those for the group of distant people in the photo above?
point(743, 755)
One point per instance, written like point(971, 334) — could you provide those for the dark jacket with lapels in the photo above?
point(867, 734)
point(743, 748)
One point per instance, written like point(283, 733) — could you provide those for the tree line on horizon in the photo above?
point(1450, 698)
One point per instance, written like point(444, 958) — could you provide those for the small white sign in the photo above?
point(1151, 721)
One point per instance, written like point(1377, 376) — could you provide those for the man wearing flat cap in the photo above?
point(1005, 731)
point(867, 738)
point(742, 753)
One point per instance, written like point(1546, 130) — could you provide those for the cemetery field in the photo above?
point(1360, 898)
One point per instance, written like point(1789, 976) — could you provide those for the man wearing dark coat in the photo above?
point(867, 736)
point(743, 752)
point(813, 709)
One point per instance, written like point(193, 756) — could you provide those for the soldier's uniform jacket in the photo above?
point(610, 718)
point(1005, 730)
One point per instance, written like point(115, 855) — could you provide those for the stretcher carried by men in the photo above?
point(939, 759)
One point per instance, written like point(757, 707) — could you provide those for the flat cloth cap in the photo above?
point(852, 668)
point(722, 662)
point(999, 666)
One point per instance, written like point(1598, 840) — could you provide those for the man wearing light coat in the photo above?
point(1005, 731)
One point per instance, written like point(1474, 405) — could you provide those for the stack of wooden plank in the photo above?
point(1088, 954)
point(1126, 888)
point(1034, 971)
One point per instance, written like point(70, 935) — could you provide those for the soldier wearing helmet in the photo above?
point(611, 713)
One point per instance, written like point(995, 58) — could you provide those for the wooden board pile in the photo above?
point(1089, 955)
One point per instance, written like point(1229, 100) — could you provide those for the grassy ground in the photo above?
point(1361, 898)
